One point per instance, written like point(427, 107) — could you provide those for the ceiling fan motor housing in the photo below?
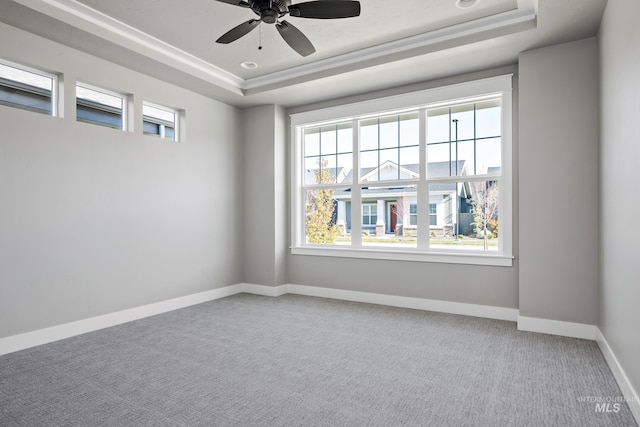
point(270, 10)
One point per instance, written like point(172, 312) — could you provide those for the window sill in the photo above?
point(413, 256)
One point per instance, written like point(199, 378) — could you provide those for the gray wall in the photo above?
point(496, 286)
point(619, 166)
point(559, 182)
point(96, 220)
point(264, 195)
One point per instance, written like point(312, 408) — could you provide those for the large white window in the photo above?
point(28, 89)
point(430, 181)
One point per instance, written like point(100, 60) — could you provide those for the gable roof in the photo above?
point(434, 169)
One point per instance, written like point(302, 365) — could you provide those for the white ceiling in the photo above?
point(392, 43)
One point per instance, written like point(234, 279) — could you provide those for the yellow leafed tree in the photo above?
point(320, 228)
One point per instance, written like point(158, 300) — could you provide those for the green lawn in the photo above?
point(466, 241)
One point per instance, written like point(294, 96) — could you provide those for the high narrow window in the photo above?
point(160, 121)
point(27, 89)
point(100, 106)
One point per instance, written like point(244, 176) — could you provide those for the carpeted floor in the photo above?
point(249, 360)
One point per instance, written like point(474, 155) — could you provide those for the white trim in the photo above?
point(557, 327)
point(55, 83)
point(420, 100)
point(81, 16)
point(464, 309)
point(476, 310)
point(431, 41)
point(268, 291)
point(123, 98)
point(627, 389)
point(415, 255)
point(427, 98)
point(95, 22)
point(67, 330)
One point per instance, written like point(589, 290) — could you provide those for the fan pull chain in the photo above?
point(260, 36)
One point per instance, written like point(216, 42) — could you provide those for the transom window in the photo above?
point(159, 121)
point(100, 106)
point(429, 182)
point(27, 89)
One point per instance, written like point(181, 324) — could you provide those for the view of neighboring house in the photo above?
point(393, 209)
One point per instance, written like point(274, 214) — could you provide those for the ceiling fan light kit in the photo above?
point(271, 12)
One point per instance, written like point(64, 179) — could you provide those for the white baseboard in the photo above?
point(490, 312)
point(268, 291)
point(44, 336)
point(625, 385)
point(556, 327)
point(67, 330)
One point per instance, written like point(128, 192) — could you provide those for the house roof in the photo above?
point(434, 169)
point(310, 177)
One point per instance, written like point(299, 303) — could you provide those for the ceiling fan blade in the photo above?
point(239, 31)
point(294, 38)
point(236, 2)
point(327, 9)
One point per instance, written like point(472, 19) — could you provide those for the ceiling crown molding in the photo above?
point(468, 32)
point(97, 23)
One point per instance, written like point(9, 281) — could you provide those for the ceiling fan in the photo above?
point(270, 12)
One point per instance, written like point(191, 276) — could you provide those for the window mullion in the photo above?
point(423, 185)
point(356, 190)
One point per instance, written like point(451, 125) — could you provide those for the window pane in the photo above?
point(439, 152)
point(409, 130)
point(464, 216)
point(410, 162)
point(462, 158)
point(369, 166)
point(345, 138)
point(438, 125)
point(464, 128)
point(469, 150)
point(390, 155)
point(488, 119)
point(387, 162)
point(159, 121)
point(26, 90)
point(326, 217)
point(311, 142)
point(388, 132)
point(99, 108)
point(328, 140)
point(390, 216)
point(369, 134)
point(335, 144)
point(489, 156)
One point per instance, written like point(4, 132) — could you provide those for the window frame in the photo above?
point(54, 88)
point(176, 123)
point(369, 215)
point(123, 97)
point(472, 91)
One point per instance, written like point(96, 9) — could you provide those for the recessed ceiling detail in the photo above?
point(176, 42)
point(81, 15)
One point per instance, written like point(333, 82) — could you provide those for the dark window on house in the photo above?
point(369, 214)
point(27, 90)
point(100, 107)
point(433, 215)
point(159, 121)
point(413, 214)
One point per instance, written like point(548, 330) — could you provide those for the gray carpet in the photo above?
point(298, 361)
